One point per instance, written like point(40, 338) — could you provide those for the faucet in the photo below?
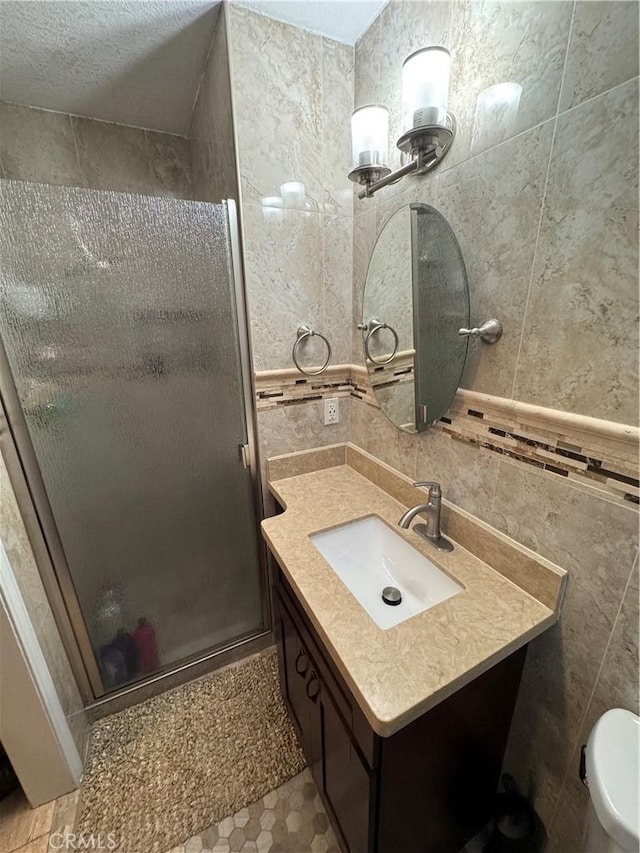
point(431, 530)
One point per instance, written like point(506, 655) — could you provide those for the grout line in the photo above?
point(323, 194)
point(543, 199)
point(599, 95)
point(91, 118)
point(575, 745)
point(203, 73)
point(521, 133)
point(494, 491)
point(75, 144)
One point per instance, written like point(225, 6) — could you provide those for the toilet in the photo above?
point(611, 774)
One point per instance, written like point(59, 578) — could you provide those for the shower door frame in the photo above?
point(24, 473)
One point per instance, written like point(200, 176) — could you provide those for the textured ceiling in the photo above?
point(343, 20)
point(136, 63)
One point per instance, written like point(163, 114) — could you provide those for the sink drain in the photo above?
point(391, 596)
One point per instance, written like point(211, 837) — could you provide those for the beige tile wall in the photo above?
point(56, 148)
point(545, 211)
point(211, 135)
point(293, 96)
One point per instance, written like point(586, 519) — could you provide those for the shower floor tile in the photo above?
point(290, 819)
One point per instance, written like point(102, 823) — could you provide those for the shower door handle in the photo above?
point(245, 455)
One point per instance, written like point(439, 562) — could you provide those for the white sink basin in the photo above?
point(368, 555)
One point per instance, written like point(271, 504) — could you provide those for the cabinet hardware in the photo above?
point(313, 686)
point(302, 662)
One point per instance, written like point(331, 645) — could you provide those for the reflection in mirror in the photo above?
point(416, 299)
point(496, 115)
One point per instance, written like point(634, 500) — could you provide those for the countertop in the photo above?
point(399, 673)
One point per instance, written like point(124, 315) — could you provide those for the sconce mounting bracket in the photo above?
point(427, 146)
point(431, 140)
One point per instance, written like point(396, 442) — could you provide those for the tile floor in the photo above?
point(290, 819)
point(27, 830)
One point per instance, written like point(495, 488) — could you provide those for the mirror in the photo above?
point(416, 298)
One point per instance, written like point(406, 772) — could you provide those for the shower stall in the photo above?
point(125, 382)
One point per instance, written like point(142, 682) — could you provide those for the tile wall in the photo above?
point(293, 95)
point(57, 148)
point(211, 134)
point(544, 204)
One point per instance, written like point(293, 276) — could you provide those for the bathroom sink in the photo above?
point(369, 557)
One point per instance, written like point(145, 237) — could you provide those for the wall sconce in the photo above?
point(428, 129)
point(369, 144)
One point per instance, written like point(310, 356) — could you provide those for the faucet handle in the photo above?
point(435, 490)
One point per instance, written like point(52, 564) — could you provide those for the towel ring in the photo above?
point(303, 333)
point(371, 328)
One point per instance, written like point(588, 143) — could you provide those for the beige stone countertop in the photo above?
point(399, 673)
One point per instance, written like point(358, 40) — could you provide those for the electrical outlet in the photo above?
point(331, 411)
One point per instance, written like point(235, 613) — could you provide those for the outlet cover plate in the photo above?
point(331, 411)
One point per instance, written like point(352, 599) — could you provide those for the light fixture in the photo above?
point(369, 144)
point(428, 128)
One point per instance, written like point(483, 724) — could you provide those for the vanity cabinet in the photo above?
point(428, 788)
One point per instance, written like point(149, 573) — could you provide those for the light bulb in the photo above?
point(370, 136)
point(425, 88)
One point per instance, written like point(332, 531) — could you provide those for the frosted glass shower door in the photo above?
point(120, 328)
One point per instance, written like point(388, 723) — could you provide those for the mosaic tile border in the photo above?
point(277, 388)
point(590, 452)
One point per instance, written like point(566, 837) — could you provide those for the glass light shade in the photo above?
point(272, 208)
point(425, 87)
point(293, 194)
point(496, 115)
point(370, 135)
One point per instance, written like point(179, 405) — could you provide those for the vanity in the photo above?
point(400, 656)
point(404, 727)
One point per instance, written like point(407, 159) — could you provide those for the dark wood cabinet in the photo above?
point(430, 787)
point(346, 779)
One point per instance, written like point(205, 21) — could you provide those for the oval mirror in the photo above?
point(416, 299)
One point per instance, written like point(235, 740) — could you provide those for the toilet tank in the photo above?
point(612, 765)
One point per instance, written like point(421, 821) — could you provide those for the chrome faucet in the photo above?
point(431, 530)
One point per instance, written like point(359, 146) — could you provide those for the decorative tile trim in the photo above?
point(588, 451)
point(276, 388)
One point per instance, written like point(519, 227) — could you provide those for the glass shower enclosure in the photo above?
point(125, 385)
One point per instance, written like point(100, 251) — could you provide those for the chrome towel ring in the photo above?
point(303, 333)
point(372, 327)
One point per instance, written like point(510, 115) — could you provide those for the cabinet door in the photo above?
point(297, 670)
point(346, 779)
